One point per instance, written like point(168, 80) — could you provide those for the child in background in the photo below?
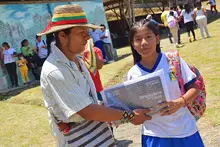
point(22, 64)
point(92, 56)
point(213, 6)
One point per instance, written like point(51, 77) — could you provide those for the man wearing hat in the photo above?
point(69, 92)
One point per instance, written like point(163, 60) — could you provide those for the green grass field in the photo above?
point(24, 119)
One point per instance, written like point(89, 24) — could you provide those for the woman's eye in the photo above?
point(148, 36)
point(138, 39)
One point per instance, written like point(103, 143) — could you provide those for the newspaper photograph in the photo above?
point(144, 92)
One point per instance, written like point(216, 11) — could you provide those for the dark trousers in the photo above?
point(33, 66)
point(108, 51)
point(42, 60)
point(11, 69)
point(169, 34)
point(190, 28)
point(179, 39)
point(99, 44)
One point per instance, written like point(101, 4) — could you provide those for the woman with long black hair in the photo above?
point(174, 125)
point(9, 55)
point(28, 53)
point(188, 15)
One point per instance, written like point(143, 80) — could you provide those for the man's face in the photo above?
point(103, 29)
point(76, 41)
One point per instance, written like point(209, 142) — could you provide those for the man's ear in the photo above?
point(62, 34)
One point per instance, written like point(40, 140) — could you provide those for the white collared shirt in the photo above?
point(67, 91)
point(42, 51)
point(95, 35)
point(8, 58)
point(106, 33)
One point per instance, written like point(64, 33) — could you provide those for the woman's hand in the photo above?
point(171, 107)
point(140, 116)
point(43, 46)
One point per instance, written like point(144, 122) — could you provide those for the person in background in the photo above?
point(149, 17)
point(164, 16)
point(213, 6)
point(105, 36)
point(158, 25)
point(8, 56)
point(173, 26)
point(201, 19)
point(22, 64)
point(181, 21)
point(188, 16)
point(92, 57)
point(96, 36)
point(175, 9)
point(42, 50)
point(30, 54)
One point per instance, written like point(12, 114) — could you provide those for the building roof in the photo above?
point(33, 1)
point(105, 2)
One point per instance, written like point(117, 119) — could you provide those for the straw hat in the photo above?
point(67, 16)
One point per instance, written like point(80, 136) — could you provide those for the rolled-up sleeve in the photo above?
point(69, 97)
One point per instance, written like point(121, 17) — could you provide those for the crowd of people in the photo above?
point(28, 58)
point(32, 58)
point(102, 40)
point(176, 19)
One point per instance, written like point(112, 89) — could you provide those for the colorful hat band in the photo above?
point(69, 18)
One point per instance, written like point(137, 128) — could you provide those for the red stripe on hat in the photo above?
point(49, 25)
point(65, 22)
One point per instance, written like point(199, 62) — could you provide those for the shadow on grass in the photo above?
point(8, 93)
point(123, 56)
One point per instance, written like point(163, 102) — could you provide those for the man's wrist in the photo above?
point(127, 116)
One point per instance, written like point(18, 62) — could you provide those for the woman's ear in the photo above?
point(157, 39)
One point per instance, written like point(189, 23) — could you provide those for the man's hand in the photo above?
point(171, 107)
point(141, 116)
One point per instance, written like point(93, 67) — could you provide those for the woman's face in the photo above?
point(5, 47)
point(145, 42)
point(26, 43)
point(39, 38)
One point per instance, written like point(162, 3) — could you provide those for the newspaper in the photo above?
point(144, 92)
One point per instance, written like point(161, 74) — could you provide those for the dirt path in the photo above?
point(129, 135)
